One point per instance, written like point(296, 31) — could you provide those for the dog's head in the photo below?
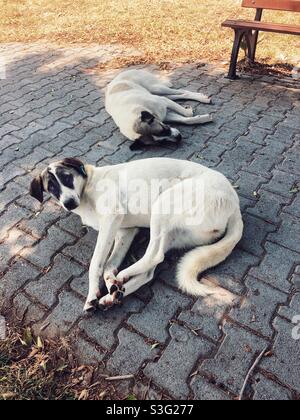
point(63, 180)
point(153, 131)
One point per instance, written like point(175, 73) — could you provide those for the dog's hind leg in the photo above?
point(122, 245)
point(132, 286)
point(176, 94)
point(172, 117)
point(179, 109)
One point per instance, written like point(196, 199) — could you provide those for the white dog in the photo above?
point(184, 204)
point(141, 105)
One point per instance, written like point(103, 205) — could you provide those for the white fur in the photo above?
point(217, 208)
point(134, 91)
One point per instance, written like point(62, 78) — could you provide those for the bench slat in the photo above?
point(286, 5)
point(263, 26)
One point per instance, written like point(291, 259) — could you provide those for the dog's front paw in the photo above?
point(115, 297)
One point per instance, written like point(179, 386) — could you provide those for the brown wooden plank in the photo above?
point(287, 5)
point(263, 26)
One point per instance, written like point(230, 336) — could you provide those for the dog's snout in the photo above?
point(71, 204)
point(178, 137)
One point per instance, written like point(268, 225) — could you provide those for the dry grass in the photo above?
point(163, 30)
point(36, 369)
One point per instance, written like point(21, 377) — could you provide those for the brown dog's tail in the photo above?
point(205, 257)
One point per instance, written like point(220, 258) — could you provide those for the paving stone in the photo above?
point(19, 273)
point(130, 354)
point(292, 310)
point(13, 244)
point(46, 288)
point(285, 362)
point(101, 327)
point(10, 218)
point(178, 360)
point(266, 390)
point(269, 206)
point(88, 354)
point(42, 253)
point(234, 358)
point(258, 307)
point(204, 391)
point(288, 231)
point(83, 250)
point(154, 320)
point(62, 318)
point(255, 233)
point(276, 266)
point(27, 311)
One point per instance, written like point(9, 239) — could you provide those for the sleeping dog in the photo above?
point(141, 106)
point(184, 204)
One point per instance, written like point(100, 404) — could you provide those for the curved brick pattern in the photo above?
point(177, 361)
point(102, 327)
point(258, 307)
point(154, 320)
point(266, 390)
point(130, 354)
point(204, 391)
point(234, 358)
point(285, 361)
point(52, 106)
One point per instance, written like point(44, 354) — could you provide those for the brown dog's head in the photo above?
point(63, 180)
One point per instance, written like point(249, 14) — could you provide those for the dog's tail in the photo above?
point(205, 257)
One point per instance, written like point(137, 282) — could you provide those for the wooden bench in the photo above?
point(249, 30)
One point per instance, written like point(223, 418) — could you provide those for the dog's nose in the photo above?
point(70, 204)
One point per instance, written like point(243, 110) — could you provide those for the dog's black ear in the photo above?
point(37, 189)
point(75, 164)
point(147, 117)
point(137, 145)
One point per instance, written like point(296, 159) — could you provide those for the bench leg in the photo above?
point(239, 34)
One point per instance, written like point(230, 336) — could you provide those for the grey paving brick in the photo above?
point(130, 354)
point(62, 318)
point(276, 266)
point(15, 278)
point(268, 206)
point(258, 307)
point(266, 390)
point(292, 310)
point(234, 358)
point(154, 320)
point(46, 288)
point(83, 250)
point(204, 391)
point(27, 311)
point(88, 354)
point(255, 233)
point(12, 245)
point(178, 360)
point(288, 231)
point(284, 363)
point(101, 327)
point(42, 253)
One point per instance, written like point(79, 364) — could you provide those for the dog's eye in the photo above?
point(67, 180)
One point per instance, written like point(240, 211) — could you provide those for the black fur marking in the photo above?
point(113, 289)
point(66, 179)
point(37, 189)
point(147, 117)
point(75, 164)
point(53, 186)
point(119, 296)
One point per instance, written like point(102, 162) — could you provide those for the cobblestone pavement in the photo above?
point(51, 107)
